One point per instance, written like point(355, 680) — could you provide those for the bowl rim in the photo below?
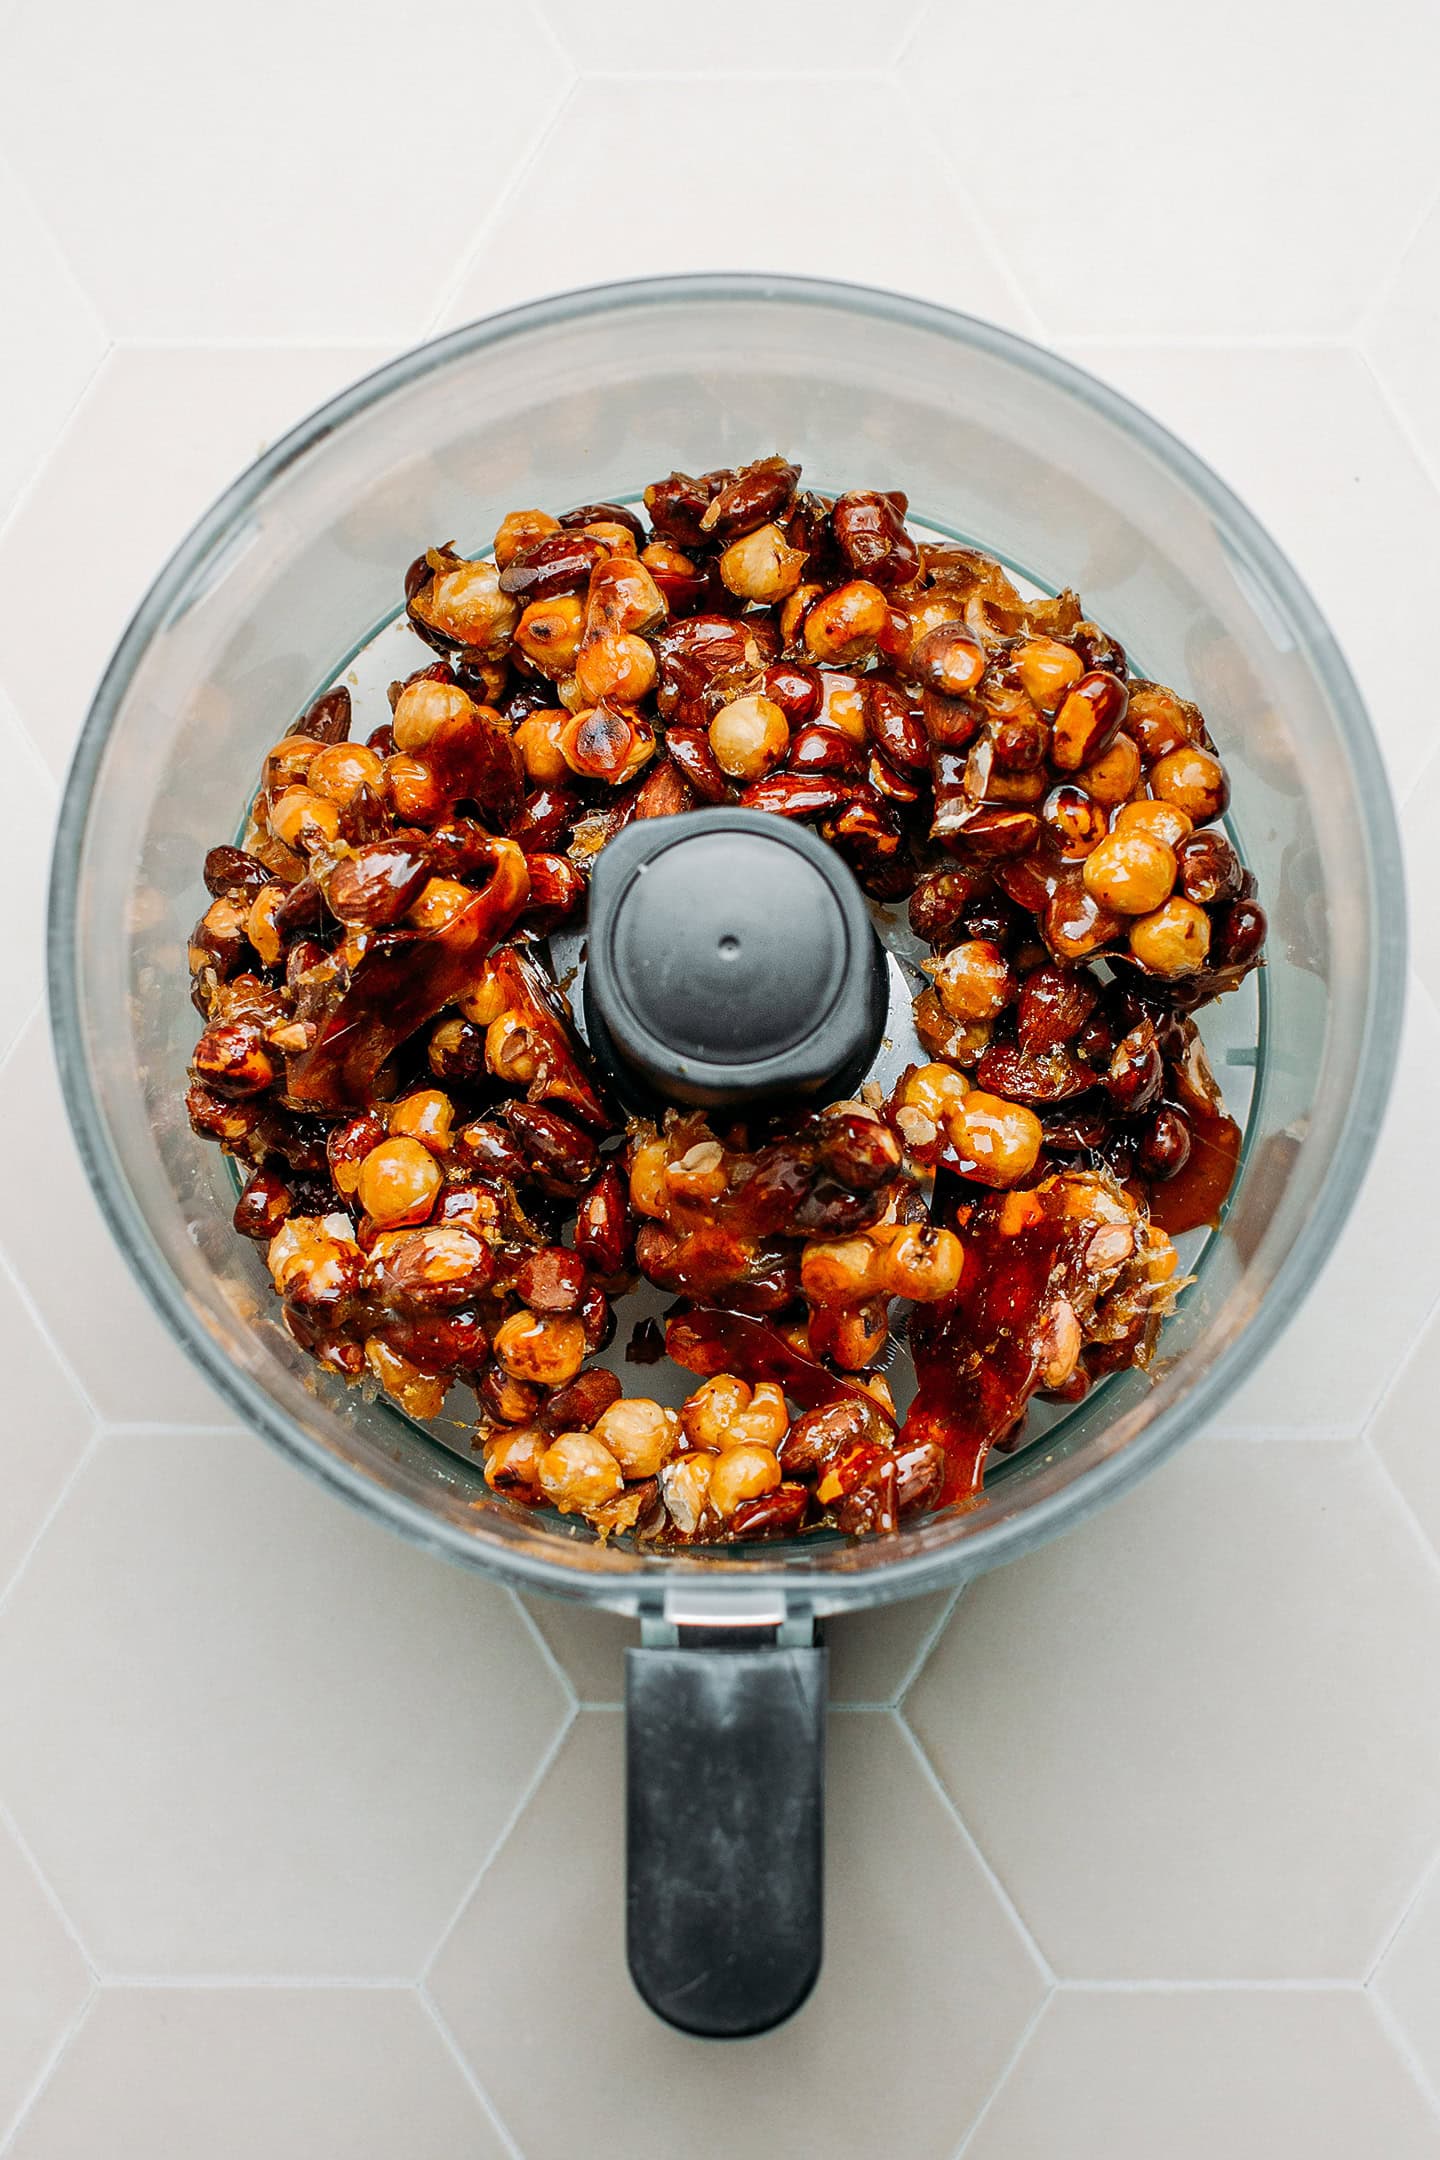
point(822, 1588)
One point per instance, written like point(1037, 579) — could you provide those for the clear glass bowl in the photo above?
point(586, 397)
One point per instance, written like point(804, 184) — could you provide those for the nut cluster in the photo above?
point(445, 1195)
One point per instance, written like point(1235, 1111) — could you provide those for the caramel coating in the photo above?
point(447, 1196)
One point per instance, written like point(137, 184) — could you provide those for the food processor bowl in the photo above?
point(586, 397)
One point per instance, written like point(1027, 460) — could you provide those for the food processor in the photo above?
point(293, 578)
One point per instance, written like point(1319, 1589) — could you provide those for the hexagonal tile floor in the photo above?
point(309, 1845)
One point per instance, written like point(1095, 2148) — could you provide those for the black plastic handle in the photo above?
point(725, 1786)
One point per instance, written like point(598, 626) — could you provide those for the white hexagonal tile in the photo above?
point(53, 1235)
point(1200, 1737)
point(751, 37)
point(1255, 2074)
point(237, 2073)
point(1179, 173)
point(1407, 1978)
point(30, 813)
point(47, 1424)
point(160, 434)
point(829, 182)
point(43, 1981)
point(269, 173)
point(1337, 1357)
point(872, 1654)
point(1404, 1430)
point(1306, 437)
point(246, 1731)
point(1403, 337)
point(59, 347)
point(918, 1947)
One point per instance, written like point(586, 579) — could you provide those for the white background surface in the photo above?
point(309, 1845)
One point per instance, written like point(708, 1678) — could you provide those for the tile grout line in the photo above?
point(532, 1786)
point(82, 1462)
point(1411, 1519)
point(31, 487)
point(1427, 1876)
point(448, 2040)
point(927, 1647)
point(911, 37)
point(47, 1889)
point(536, 1633)
point(1403, 2047)
point(10, 1274)
point(32, 1012)
point(503, 200)
point(164, 342)
point(1413, 444)
point(539, 14)
point(48, 2069)
point(215, 1983)
point(146, 1428)
point(1372, 309)
point(990, 248)
point(875, 71)
point(1010, 2067)
point(1017, 1920)
point(1161, 1985)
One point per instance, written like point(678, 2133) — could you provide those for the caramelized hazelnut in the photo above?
point(314, 1261)
point(762, 565)
point(545, 1348)
point(973, 980)
point(398, 1182)
point(742, 1473)
point(342, 769)
point(1130, 872)
point(1074, 821)
point(464, 602)
point(934, 1090)
point(839, 1271)
point(427, 1116)
point(549, 634)
point(437, 903)
point(923, 1263)
point(1161, 820)
point(997, 1142)
point(520, 529)
point(578, 1472)
point(749, 737)
point(639, 1434)
point(512, 1462)
point(700, 1173)
point(511, 1049)
point(1047, 670)
point(1114, 775)
point(1159, 720)
point(1173, 941)
point(301, 819)
point(685, 1489)
point(621, 668)
point(708, 1415)
point(948, 661)
point(422, 709)
point(1194, 781)
point(846, 623)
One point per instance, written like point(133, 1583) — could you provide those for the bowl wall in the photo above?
point(586, 398)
